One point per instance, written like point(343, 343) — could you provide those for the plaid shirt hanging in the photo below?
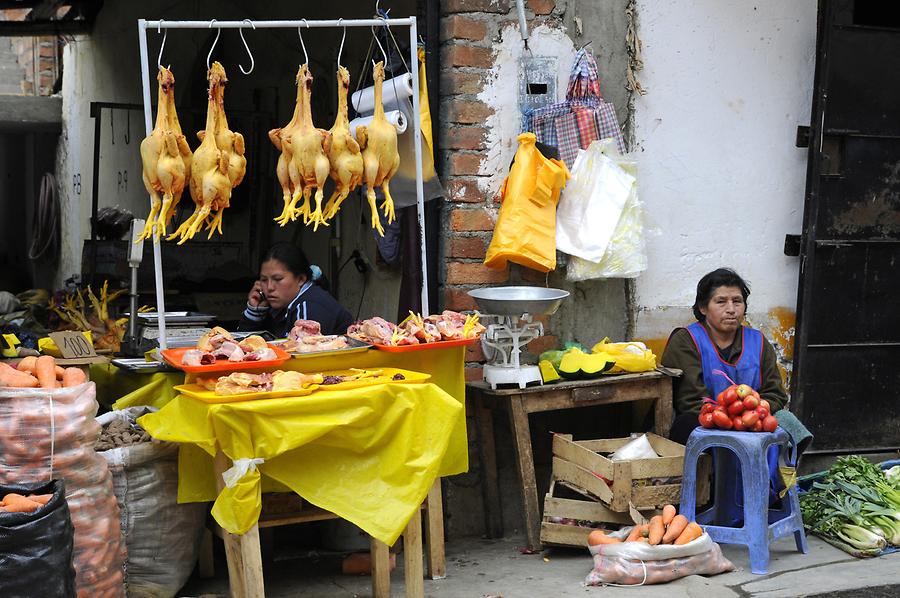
point(583, 117)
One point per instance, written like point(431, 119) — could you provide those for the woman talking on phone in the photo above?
point(287, 291)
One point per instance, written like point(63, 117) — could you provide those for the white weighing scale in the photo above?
point(508, 314)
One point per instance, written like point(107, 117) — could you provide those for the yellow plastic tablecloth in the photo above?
point(369, 455)
point(128, 389)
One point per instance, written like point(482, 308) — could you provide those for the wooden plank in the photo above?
point(621, 486)
point(493, 510)
point(662, 467)
point(381, 569)
point(581, 480)
point(662, 408)
point(518, 419)
point(434, 532)
point(582, 510)
point(556, 398)
point(607, 379)
point(655, 497)
point(556, 534)
point(412, 557)
point(565, 448)
point(665, 447)
point(604, 445)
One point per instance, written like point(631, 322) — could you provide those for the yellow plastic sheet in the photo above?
point(526, 228)
point(127, 389)
point(369, 455)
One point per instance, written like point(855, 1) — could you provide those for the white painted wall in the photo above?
point(728, 82)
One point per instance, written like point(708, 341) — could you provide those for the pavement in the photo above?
point(481, 568)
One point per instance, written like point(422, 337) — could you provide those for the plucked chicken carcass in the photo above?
point(306, 145)
point(168, 210)
point(303, 328)
point(163, 165)
point(343, 151)
point(379, 331)
point(210, 185)
point(286, 170)
point(378, 141)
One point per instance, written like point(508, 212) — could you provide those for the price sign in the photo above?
point(73, 345)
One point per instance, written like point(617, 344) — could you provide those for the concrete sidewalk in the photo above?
point(477, 568)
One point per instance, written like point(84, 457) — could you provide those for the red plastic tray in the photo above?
point(173, 356)
point(426, 346)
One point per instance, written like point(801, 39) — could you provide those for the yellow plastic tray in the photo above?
point(195, 391)
point(385, 378)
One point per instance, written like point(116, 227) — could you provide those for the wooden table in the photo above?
point(621, 388)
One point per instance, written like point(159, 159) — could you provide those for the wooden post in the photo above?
point(662, 414)
point(434, 532)
point(493, 511)
point(381, 569)
point(412, 557)
point(245, 576)
point(518, 419)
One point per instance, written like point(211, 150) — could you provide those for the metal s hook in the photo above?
point(246, 47)
point(162, 46)
point(377, 41)
point(303, 45)
point(343, 37)
point(215, 41)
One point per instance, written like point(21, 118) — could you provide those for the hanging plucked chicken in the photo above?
point(343, 151)
point(212, 168)
point(285, 170)
point(166, 159)
point(378, 141)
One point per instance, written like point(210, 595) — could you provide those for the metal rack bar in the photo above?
point(410, 22)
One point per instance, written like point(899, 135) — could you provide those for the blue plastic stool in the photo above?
point(761, 525)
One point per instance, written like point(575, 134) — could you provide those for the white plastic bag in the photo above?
point(162, 536)
point(592, 202)
point(639, 448)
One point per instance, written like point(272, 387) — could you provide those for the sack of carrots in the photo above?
point(36, 541)
point(47, 432)
point(666, 548)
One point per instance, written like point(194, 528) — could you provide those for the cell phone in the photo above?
point(262, 296)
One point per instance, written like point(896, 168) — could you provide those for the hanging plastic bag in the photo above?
point(526, 228)
point(591, 204)
point(626, 254)
point(630, 357)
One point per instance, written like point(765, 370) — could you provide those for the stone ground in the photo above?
point(479, 568)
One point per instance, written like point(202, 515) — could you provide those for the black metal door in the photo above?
point(846, 382)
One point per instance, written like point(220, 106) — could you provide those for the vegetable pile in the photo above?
point(667, 528)
point(855, 506)
point(739, 408)
point(120, 432)
point(34, 372)
point(16, 503)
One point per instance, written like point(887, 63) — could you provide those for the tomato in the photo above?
point(707, 408)
point(751, 402)
point(736, 408)
point(770, 424)
point(720, 398)
point(765, 403)
point(750, 418)
point(738, 423)
point(730, 395)
point(763, 413)
point(743, 391)
point(721, 419)
point(758, 426)
point(706, 420)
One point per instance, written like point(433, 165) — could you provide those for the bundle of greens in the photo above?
point(854, 507)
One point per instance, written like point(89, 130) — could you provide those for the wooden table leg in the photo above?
point(662, 414)
point(381, 569)
point(245, 575)
point(521, 431)
point(487, 455)
point(434, 532)
point(412, 557)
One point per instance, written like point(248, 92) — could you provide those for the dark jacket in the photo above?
point(315, 303)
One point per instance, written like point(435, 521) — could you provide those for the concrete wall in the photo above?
point(728, 83)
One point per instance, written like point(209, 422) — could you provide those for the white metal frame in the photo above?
point(410, 22)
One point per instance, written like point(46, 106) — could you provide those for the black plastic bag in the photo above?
point(36, 548)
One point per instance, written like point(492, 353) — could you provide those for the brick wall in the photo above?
point(38, 57)
point(468, 30)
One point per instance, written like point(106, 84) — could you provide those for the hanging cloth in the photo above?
point(526, 228)
point(583, 117)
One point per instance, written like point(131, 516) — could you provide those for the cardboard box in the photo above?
point(583, 467)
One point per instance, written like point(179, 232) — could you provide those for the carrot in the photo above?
point(16, 379)
point(73, 377)
point(657, 530)
point(636, 533)
point(679, 522)
point(668, 514)
point(16, 503)
point(41, 499)
point(598, 536)
point(45, 370)
point(59, 372)
point(27, 364)
point(691, 533)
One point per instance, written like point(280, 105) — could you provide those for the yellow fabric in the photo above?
point(424, 109)
point(629, 357)
point(526, 228)
point(368, 455)
point(122, 389)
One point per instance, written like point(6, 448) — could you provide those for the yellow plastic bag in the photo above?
point(629, 357)
point(526, 229)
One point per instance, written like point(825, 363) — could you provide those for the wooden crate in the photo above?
point(582, 467)
point(561, 534)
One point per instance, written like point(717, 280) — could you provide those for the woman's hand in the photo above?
point(257, 298)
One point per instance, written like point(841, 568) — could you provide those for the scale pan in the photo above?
point(517, 301)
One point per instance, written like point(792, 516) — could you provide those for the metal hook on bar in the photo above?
point(377, 41)
point(246, 47)
point(215, 41)
point(343, 37)
point(161, 47)
point(303, 45)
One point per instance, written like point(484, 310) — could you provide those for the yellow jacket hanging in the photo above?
point(526, 229)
